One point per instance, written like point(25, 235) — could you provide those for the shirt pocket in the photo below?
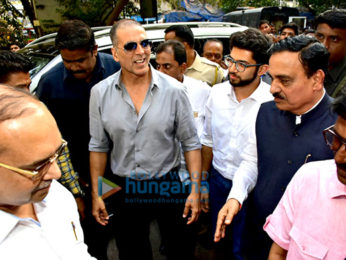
point(308, 247)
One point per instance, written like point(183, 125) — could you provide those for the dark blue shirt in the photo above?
point(68, 100)
point(283, 147)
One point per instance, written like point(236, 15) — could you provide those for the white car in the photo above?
point(44, 55)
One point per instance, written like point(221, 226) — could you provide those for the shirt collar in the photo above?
point(154, 83)
point(299, 117)
point(336, 189)
point(9, 221)
point(196, 63)
point(99, 68)
point(257, 95)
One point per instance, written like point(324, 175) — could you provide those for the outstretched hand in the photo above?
point(225, 217)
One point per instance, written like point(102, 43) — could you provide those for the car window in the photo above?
point(40, 55)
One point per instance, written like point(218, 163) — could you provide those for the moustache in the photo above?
point(77, 72)
point(43, 185)
point(278, 95)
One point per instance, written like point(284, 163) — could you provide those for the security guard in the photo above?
point(197, 67)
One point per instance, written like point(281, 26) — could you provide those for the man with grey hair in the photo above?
point(144, 113)
point(39, 218)
point(14, 72)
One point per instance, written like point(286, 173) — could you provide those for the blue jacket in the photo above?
point(283, 147)
point(68, 100)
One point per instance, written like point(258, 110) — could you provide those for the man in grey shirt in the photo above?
point(140, 115)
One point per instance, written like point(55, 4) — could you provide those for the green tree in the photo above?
point(11, 28)
point(260, 3)
point(93, 12)
point(319, 6)
point(231, 5)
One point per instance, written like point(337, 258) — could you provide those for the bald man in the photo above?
point(38, 216)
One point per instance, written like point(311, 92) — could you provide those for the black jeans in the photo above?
point(141, 201)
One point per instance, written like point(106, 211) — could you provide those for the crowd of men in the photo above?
point(193, 136)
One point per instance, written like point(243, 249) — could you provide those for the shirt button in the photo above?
point(295, 133)
point(289, 162)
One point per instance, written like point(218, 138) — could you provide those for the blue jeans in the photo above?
point(233, 243)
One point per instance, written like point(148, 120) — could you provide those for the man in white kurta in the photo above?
point(38, 216)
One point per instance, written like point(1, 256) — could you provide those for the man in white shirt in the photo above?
point(228, 139)
point(39, 218)
point(171, 59)
point(197, 67)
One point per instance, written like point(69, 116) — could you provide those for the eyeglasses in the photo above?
point(333, 139)
point(239, 65)
point(40, 170)
point(132, 46)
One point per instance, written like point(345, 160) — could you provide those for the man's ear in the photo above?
point(262, 69)
point(114, 54)
point(94, 50)
point(186, 45)
point(183, 67)
point(318, 80)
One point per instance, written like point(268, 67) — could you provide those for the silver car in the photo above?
point(44, 55)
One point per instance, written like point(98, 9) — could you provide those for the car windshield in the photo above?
point(40, 55)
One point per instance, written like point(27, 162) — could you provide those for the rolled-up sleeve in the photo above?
point(186, 131)
point(99, 141)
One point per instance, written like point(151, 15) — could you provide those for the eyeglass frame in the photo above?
point(331, 130)
point(228, 57)
point(35, 174)
point(145, 41)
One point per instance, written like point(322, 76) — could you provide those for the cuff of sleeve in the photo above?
point(272, 233)
point(191, 144)
point(238, 193)
point(96, 146)
point(206, 142)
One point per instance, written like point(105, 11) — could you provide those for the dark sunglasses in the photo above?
point(131, 46)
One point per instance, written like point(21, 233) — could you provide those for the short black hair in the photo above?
point(254, 41)
point(308, 30)
point(312, 54)
point(117, 25)
point(213, 40)
point(263, 22)
point(292, 26)
point(178, 50)
point(339, 104)
point(75, 34)
point(12, 62)
point(335, 18)
point(183, 33)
